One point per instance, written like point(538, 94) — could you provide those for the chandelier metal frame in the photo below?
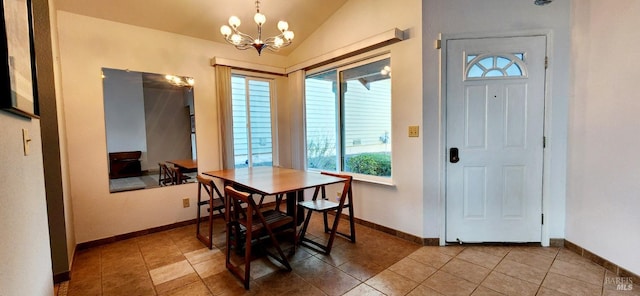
point(245, 41)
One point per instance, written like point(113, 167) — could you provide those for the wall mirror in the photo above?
point(150, 129)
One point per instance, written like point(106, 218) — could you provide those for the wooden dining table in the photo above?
point(185, 165)
point(273, 181)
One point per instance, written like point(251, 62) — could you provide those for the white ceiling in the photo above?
point(203, 18)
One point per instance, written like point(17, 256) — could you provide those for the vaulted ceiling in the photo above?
point(203, 18)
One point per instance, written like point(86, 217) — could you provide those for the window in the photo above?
point(348, 124)
point(486, 66)
point(252, 128)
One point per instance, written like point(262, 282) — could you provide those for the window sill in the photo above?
point(377, 181)
point(365, 178)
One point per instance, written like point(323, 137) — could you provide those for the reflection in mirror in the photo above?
point(150, 129)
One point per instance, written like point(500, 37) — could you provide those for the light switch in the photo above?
point(26, 141)
point(414, 131)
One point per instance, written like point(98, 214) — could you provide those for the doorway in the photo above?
point(494, 96)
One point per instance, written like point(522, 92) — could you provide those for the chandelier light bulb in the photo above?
point(277, 42)
point(234, 21)
point(283, 26)
point(288, 35)
point(180, 81)
point(259, 18)
point(225, 30)
point(236, 39)
point(386, 71)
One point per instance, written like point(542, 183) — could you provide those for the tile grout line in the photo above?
point(146, 265)
point(309, 283)
point(504, 257)
point(101, 271)
point(604, 270)
point(440, 268)
point(437, 269)
point(194, 269)
point(491, 271)
point(361, 282)
point(604, 279)
point(547, 273)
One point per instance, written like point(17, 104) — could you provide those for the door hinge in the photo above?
point(544, 142)
point(546, 62)
point(542, 220)
point(438, 44)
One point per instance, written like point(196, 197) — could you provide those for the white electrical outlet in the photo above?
point(185, 202)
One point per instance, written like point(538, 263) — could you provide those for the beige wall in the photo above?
point(603, 185)
point(24, 234)
point(88, 44)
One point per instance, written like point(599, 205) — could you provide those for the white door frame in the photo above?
point(544, 239)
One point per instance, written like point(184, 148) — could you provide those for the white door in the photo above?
point(494, 136)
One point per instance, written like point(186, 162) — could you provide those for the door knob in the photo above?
point(453, 155)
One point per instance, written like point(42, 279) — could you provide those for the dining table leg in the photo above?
point(293, 209)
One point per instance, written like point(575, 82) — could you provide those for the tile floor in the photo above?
point(150, 180)
point(174, 262)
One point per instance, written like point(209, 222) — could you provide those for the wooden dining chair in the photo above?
point(254, 224)
point(324, 206)
point(178, 176)
point(206, 193)
point(165, 175)
point(170, 175)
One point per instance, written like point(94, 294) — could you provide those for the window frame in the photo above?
point(247, 76)
point(338, 67)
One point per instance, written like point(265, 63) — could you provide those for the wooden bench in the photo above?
point(124, 164)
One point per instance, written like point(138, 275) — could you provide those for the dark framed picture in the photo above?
point(18, 75)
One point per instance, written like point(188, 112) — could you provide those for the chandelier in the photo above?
point(244, 41)
point(180, 81)
point(386, 71)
